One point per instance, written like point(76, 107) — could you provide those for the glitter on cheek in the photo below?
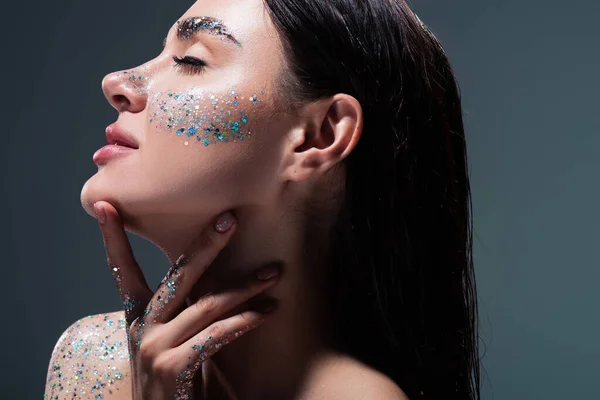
point(209, 117)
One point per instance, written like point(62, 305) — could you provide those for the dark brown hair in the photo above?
point(402, 280)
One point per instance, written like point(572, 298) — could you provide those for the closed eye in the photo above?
point(190, 64)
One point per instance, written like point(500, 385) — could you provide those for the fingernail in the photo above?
point(267, 273)
point(224, 222)
point(100, 214)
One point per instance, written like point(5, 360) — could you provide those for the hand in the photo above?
point(168, 342)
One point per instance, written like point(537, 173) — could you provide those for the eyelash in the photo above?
point(190, 64)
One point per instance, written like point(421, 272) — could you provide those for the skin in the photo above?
point(168, 192)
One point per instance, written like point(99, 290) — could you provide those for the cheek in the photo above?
point(204, 118)
point(202, 149)
point(178, 178)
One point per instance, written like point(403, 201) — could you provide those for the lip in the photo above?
point(119, 143)
point(119, 136)
point(102, 155)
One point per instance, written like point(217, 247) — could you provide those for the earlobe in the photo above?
point(329, 133)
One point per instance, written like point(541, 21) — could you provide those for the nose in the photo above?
point(126, 90)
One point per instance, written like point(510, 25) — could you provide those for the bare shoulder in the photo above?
point(343, 377)
point(90, 360)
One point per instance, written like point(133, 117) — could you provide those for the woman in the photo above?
point(320, 142)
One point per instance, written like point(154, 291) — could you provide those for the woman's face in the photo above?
point(207, 136)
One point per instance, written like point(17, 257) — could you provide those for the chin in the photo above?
point(94, 190)
point(98, 188)
point(86, 199)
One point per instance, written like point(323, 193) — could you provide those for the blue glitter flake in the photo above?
point(209, 127)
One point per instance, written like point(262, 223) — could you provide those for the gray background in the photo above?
point(529, 77)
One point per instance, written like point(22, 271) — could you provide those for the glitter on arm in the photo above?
point(90, 360)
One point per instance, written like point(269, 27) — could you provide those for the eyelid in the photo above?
point(190, 60)
point(190, 64)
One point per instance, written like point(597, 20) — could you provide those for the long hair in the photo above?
point(401, 272)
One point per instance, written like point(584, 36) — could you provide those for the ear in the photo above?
point(328, 132)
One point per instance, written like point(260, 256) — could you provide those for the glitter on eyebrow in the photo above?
point(213, 26)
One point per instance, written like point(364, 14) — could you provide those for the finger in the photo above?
point(177, 284)
point(130, 280)
point(191, 354)
point(212, 306)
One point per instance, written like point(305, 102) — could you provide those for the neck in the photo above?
point(272, 360)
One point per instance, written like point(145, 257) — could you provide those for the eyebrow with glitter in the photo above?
point(188, 27)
